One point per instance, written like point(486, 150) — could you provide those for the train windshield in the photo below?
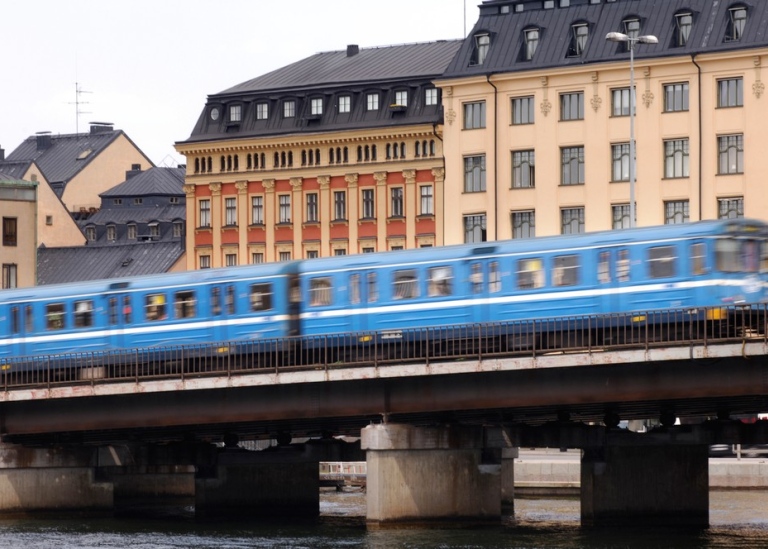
point(741, 255)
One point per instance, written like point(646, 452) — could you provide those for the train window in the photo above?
point(728, 255)
point(440, 281)
point(566, 271)
point(373, 288)
point(354, 289)
point(54, 316)
point(184, 304)
point(230, 300)
point(216, 300)
point(112, 311)
point(155, 307)
point(294, 291)
point(698, 259)
point(127, 310)
point(320, 291)
point(530, 273)
point(15, 320)
point(494, 277)
point(405, 284)
point(83, 314)
point(764, 257)
point(604, 268)
point(261, 297)
point(751, 261)
point(28, 319)
point(476, 278)
point(662, 262)
point(622, 266)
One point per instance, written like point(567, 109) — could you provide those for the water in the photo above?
point(738, 520)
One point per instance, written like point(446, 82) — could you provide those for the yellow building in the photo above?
point(18, 210)
point(537, 110)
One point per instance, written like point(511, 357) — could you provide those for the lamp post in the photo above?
point(647, 39)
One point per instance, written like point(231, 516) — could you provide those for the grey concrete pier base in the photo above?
point(52, 480)
point(654, 485)
point(429, 475)
point(508, 456)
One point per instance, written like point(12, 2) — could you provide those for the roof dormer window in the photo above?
point(235, 113)
point(401, 98)
point(631, 29)
point(345, 103)
point(683, 24)
point(262, 111)
point(482, 43)
point(289, 108)
point(531, 42)
point(316, 106)
point(579, 36)
point(737, 21)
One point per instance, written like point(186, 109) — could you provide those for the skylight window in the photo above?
point(531, 43)
point(482, 43)
point(84, 154)
point(736, 24)
point(579, 36)
point(683, 24)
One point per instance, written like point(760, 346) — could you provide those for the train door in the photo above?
point(613, 275)
point(222, 303)
point(22, 326)
point(363, 294)
point(484, 281)
point(119, 307)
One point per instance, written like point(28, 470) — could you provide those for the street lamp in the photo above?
point(647, 39)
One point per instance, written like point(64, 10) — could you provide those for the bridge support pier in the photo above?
point(430, 474)
point(51, 480)
point(508, 456)
point(665, 485)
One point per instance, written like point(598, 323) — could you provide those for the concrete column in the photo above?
point(648, 485)
point(508, 456)
point(429, 474)
point(51, 480)
point(258, 484)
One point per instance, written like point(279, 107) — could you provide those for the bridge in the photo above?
point(466, 393)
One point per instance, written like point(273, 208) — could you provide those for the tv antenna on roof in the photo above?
point(78, 102)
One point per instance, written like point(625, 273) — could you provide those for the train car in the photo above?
point(242, 303)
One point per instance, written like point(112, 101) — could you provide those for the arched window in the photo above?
point(579, 36)
point(290, 159)
point(417, 151)
point(248, 162)
point(223, 164)
point(346, 155)
point(531, 42)
point(367, 153)
point(359, 153)
point(389, 151)
point(330, 156)
point(197, 165)
point(237, 162)
point(737, 21)
point(373, 153)
point(276, 161)
point(482, 44)
point(402, 150)
point(683, 25)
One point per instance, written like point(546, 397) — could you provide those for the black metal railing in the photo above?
point(578, 333)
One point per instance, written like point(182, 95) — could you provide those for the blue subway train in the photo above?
point(702, 264)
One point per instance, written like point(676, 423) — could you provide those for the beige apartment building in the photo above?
point(18, 210)
point(537, 117)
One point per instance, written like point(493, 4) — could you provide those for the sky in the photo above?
point(148, 66)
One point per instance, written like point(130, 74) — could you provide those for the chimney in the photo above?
point(43, 140)
point(135, 170)
point(352, 50)
point(2, 154)
point(101, 127)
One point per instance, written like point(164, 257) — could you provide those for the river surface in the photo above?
point(738, 520)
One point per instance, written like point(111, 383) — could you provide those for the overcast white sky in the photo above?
point(148, 65)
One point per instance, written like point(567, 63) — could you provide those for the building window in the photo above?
point(579, 36)
point(620, 102)
point(345, 103)
point(10, 231)
point(675, 212)
point(523, 169)
point(401, 98)
point(572, 106)
point(284, 215)
point(316, 106)
point(474, 228)
point(262, 111)
point(426, 199)
point(111, 233)
point(235, 113)
point(312, 254)
point(482, 43)
point(474, 174)
point(339, 252)
point(368, 210)
point(572, 220)
point(737, 20)
point(730, 154)
point(522, 110)
point(230, 260)
point(730, 92)
point(154, 230)
point(683, 24)
point(339, 205)
point(631, 29)
point(131, 231)
point(257, 257)
point(675, 158)
point(311, 208)
point(474, 115)
point(289, 109)
point(138, 201)
point(524, 224)
point(621, 215)
point(90, 234)
point(257, 210)
point(368, 249)
point(372, 101)
point(230, 211)
point(572, 161)
point(10, 275)
point(205, 262)
point(676, 97)
point(396, 195)
point(620, 166)
point(531, 43)
point(430, 96)
point(205, 213)
point(284, 256)
point(178, 229)
point(730, 208)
